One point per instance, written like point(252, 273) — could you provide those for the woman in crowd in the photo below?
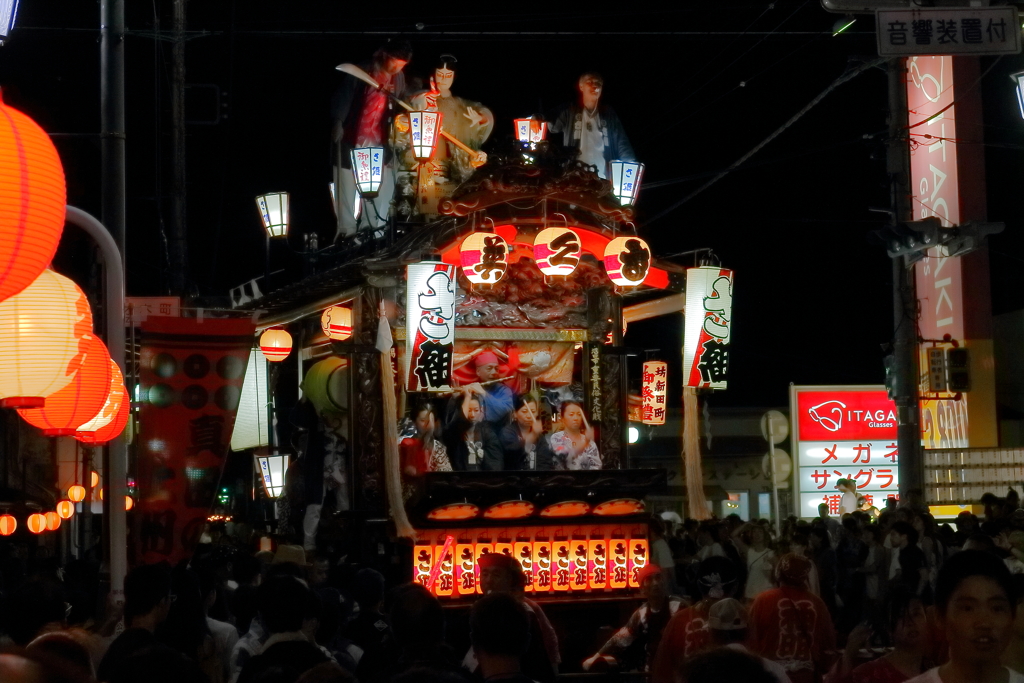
point(574, 447)
point(523, 440)
point(424, 452)
point(752, 542)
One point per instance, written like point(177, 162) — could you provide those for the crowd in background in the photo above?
point(873, 597)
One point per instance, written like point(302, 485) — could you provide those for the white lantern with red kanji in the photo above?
point(531, 131)
point(368, 169)
point(557, 251)
point(484, 257)
point(627, 260)
point(336, 322)
point(424, 129)
point(626, 177)
point(654, 392)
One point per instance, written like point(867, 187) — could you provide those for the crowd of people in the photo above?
point(861, 599)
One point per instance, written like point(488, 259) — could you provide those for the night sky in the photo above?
point(812, 297)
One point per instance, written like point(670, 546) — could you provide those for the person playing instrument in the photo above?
point(574, 447)
point(495, 398)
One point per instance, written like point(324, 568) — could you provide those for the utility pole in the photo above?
point(905, 372)
point(112, 119)
point(178, 247)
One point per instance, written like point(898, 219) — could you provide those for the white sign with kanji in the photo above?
point(948, 31)
point(847, 453)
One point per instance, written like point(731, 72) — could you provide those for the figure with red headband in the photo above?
point(494, 396)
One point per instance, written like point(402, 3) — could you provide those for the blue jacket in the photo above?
point(569, 122)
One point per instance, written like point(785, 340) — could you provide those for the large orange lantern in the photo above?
point(129, 503)
point(43, 334)
point(52, 521)
point(484, 257)
point(336, 322)
point(557, 251)
point(32, 199)
point(36, 523)
point(627, 260)
point(65, 509)
point(7, 525)
point(112, 427)
point(76, 493)
point(77, 403)
point(276, 344)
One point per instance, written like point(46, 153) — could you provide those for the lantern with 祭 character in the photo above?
point(484, 257)
point(627, 260)
point(557, 251)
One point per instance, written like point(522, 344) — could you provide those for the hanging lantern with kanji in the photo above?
point(531, 131)
point(275, 344)
point(43, 334)
point(484, 257)
point(36, 523)
point(424, 130)
point(336, 322)
point(368, 170)
point(557, 251)
point(627, 260)
point(273, 208)
point(77, 403)
point(654, 392)
point(32, 201)
point(8, 524)
point(65, 509)
point(626, 178)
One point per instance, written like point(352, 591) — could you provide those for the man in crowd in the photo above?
point(729, 628)
point(646, 623)
point(907, 566)
point(791, 626)
point(500, 634)
point(147, 601)
point(592, 128)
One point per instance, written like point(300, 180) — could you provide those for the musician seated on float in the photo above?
point(523, 440)
point(573, 446)
point(469, 439)
point(494, 396)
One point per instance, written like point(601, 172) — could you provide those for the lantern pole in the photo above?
point(115, 470)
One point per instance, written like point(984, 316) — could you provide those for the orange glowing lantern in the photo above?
point(7, 525)
point(128, 503)
point(52, 521)
point(619, 507)
point(523, 552)
point(479, 550)
point(44, 327)
point(454, 511)
point(76, 493)
point(110, 421)
point(36, 523)
point(557, 251)
point(503, 548)
point(638, 559)
point(598, 568)
point(65, 509)
point(484, 257)
point(618, 570)
point(511, 509)
point(77, 403)
point(445, 583)
point(567, 508)
point(336, 322)
point(94, 479)
point(465, 568)
point(423, 556)
point(542, 566)
point(580, 570)
point(627, 260)
point(276, 344)
point(561, 570)
point(32, 201)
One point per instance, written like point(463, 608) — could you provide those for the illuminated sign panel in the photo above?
point(654, 392)
point(707, 330)
point(843, 433)
point(430, 320)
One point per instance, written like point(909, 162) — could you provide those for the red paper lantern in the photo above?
point(65, 509)
point(76, 493)
point(77, 403)
point(7, 525)
point(112, 427)
point(32, 199)
point(36, 523)
point(52, 521)
point(275, 344)
point(43, 333)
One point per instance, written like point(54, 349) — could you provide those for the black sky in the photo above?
point(812, 297)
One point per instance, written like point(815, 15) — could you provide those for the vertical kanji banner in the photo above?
point(191, 373)
point(430, 326)
point(707, 330)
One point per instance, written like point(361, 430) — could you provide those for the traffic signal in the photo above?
point(958, 363)
point(915, 237)
point(891, 382)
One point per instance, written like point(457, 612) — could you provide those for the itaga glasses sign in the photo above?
point(708, 328)
point(846, 432)
point(430, 320)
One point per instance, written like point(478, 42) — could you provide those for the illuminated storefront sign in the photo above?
point(430, 319)
point(843, 433)
point(597, 558)
point(654, 391)
point(707, 330)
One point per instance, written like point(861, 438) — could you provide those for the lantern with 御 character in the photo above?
point(424, 130)
point(626, 178)
point(368, 170)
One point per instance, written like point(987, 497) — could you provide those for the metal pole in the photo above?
point(115, 471)
point(911, 469)
point(775, 479)
point(178, 238)
point(112, 138)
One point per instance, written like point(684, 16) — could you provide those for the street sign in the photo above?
point(776, 432)
point(952, 31)
point(138, 308)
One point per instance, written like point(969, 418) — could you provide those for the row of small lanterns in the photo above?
point(425, 131)
point(60, 377)
point(39, 522)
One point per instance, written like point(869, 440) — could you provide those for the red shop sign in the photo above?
point(842, 415)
